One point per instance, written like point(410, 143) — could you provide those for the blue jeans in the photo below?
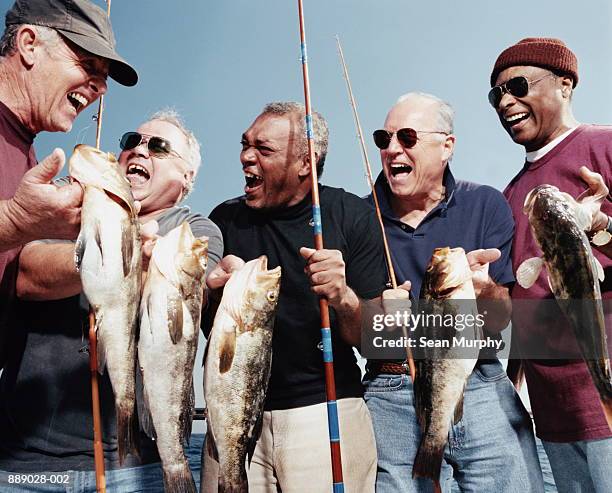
point(491, 449)
point(581, 467)
point(142, 479)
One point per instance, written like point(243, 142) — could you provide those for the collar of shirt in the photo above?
point(532, 156)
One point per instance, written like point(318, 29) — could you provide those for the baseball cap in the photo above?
point(80, 21)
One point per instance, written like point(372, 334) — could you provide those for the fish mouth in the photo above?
point(77, 100)
point(262, 269)
point(253, 181)
point(137, 174)
point(446, 266)
point(531, 197)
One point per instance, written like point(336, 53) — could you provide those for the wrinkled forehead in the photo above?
point(277, 128)
point(414, 113)
point(168, 131)
point(529, 71)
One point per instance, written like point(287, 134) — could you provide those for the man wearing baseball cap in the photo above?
point(532, 87)
point(55, 57)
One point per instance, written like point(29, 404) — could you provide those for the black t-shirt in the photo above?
point(45, 391)
point(349, 225)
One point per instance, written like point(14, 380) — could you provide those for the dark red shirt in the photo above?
point(16, 157)
point(564, 401)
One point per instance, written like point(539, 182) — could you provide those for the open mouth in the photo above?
point(137, 174)
point(78, 101)
point(252, 181)
point(398, 169)
point(516, 118)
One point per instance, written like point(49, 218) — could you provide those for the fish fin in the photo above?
point(127, 430)
point(211, 446)
point(127, 250)
point(144, 411)
point(459, 408)
point(99, 243)
point(228, 348)
point(175, 317)
point(600, 271)
point(187, 417)
point(254, 437)
point(179, 479)
point(584, 216)
point(528, 272)
point(428, 460)
point(79, 251)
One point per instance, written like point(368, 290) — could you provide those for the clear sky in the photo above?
point(219, 62)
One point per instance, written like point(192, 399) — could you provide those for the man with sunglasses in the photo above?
point(532, 87)
point(55, 57)
point(492, 447)
point(274, 218)
point(45, 418)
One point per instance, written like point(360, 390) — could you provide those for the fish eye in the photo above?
point(271, 295)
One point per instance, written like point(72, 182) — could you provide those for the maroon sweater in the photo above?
point(564, 401)
point(16, 157)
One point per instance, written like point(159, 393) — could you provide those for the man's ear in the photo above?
point(27, 42)
point(304, 170)
point(449, 147)
point(567, 85)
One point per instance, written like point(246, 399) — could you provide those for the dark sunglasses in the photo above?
point(407, 137)
point(157, 146)
point(517, 87)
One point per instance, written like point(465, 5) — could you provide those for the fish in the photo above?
point(108, 258)
point(558, 223)
point(237, 369)
point(170, 313)
point(442, 372)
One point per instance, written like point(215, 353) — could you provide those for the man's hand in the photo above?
point(40, 209)
point(223, 271)
point(326, 271)
point(479, 261)
point(148, 236)
point(594, 197)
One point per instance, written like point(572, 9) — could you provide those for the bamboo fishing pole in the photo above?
point(328, 358)
point(368, 170)
point(93, 350)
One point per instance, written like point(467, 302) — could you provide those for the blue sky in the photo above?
point(219, 62)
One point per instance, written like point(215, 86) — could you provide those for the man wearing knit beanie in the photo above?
point(532, 86)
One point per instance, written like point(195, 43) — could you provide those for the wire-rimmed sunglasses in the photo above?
point(407, 137)
point(157, 146)
point(517, 87)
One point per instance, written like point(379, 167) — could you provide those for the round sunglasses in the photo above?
point(157, 146)
point(407, 137)
point(517, 87)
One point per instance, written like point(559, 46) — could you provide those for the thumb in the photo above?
point(46, 170)
point(306, 252)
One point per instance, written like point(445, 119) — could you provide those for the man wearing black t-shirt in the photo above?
point(274, 218)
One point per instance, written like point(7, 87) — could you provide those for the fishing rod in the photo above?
point(93, 349)
point(368, 170)
point(328, 357)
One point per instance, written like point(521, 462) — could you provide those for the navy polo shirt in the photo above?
point(472, 216)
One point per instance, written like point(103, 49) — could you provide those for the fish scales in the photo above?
point(108, 256)
point(237, 369)
point(169, 327)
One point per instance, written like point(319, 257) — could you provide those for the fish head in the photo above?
point(93, 167)
point(448, 271)
point(546, 202)
point(257, 286)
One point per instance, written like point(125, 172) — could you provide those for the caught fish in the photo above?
point(237, 369)
point(108, 257)
point(558, 223)
point(169, 325)
point(442, 373)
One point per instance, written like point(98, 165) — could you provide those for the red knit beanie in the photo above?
point(548, 53)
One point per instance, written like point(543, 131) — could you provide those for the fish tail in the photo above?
point(428, 461)
point(128, 432)
point(179, 480)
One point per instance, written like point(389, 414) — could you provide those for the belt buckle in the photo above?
point(406, 367)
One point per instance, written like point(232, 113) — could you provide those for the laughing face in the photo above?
point(536, 119)
point(157, 182)
point(416, 172)
point(66, 80)
point(274, 172)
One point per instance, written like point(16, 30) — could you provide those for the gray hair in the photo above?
point(446, 113)
point(8, 43)
point(193, 158)
point(319, 127)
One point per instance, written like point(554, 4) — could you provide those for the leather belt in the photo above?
point(391, 368)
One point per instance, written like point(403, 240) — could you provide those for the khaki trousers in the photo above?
point(292, 454)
